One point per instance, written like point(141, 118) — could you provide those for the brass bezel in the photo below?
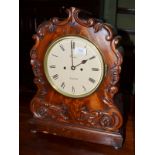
point(50, 79)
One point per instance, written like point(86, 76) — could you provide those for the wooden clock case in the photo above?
point(94, 118)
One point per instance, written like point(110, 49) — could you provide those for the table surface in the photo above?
point(43, 144)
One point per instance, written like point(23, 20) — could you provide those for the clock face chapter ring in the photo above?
point(74, 66)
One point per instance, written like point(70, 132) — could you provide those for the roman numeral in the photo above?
point(55, 77)
point(72, 44)
point(92, 57)
point(84, 88)
point(73, 90)
point(52, 66)
point(62, 48)
point(95, 69)
point(91, 80)
point(54, 55)
point(63, 85)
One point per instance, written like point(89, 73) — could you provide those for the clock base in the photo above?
point(114, 139)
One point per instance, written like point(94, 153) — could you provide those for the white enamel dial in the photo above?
point(74, 66)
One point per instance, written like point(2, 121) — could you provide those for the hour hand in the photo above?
point(84, 61)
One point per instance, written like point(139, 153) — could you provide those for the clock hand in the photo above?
point(84, 61)
point(72, 54)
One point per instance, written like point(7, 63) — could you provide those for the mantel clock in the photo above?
point(76, 64)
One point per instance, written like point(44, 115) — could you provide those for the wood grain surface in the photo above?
point(45, 144)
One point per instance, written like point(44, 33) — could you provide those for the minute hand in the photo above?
point(72, 53)
point(84, 61)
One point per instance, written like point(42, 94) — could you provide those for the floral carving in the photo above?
point(36, 67)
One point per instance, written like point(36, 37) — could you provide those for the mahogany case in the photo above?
point(94, 118)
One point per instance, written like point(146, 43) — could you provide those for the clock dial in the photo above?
point(74, 66)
